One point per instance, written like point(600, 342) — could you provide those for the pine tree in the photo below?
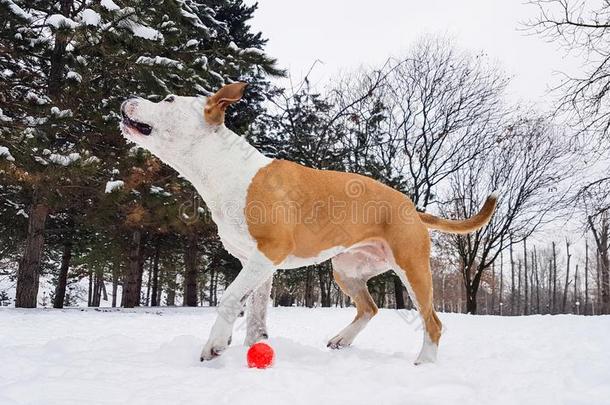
point(65, 73)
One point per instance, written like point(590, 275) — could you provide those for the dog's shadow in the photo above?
point(184, 351)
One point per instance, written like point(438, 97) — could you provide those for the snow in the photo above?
point(150, 356)
point(36, 99)
point(114, 185)
point(59, 20)
point(6, 154)
point(63, 160)
point(72, 75)
point(201, 60)
point(254, 51)
point(41, 160)
point(194, 20)
point(233, 46)
point(56, 112)
point(90, 17)
point(159, 191)
point(3, 117)
point(145, 32)
point(191, 42)
point(159, 60)
point(217, 75)
point(110, 5)
point(7, 73)
point(91, 160)
point(18, 11)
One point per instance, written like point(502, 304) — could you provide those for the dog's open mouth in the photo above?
point(142, 128)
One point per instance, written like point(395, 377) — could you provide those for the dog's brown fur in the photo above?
point(289, 214)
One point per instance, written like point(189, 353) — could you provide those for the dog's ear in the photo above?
point(214, 111)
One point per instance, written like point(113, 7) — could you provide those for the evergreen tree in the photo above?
point(66, 67)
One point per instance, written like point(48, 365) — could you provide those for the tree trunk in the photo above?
point(512, 281)
point(29, 266)
point(155, 276)
point(115, 284)
point(602, 239)
point(190, 274)
point(519, 287)
point(525, 279)
point(57, 60)
point(325, 280)
point(132, 280)
point(554, 279)
point(212, 275)
point(149, 283)
point(90, 289)
point(598, 282)
point(586, 308)
point(62, 280)
point(399, 292)
point(535, 261)
point(550, 288)
point(97, 287)
point(501, 282)
point(565, 289)
point(160, 286)
point(309, 302)
point(576, 301)
point(493, 287)
point(171, 285)
point(141, 272)
point(103, 291)
point(471, 299)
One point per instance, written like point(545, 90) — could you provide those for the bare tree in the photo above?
point(583, 27)
point(444, 109)
point(524, 168)
point(436, 111)
point(594, 199)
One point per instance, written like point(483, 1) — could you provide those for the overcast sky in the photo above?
point(345, 34)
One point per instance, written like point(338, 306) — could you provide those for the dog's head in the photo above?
point(174, 125)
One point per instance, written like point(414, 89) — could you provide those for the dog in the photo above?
point(275, 214)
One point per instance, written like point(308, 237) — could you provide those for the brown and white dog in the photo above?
point(275, 214)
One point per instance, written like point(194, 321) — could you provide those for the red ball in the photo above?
point(260, 355)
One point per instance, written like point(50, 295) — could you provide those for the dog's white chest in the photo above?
point(226, 169)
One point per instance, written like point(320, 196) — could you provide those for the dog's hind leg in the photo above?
point(257, 313)
point(415, 275)
point(351, 278)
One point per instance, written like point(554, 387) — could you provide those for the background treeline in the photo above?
point(91, 219)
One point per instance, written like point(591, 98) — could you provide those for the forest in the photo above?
point(87, 219)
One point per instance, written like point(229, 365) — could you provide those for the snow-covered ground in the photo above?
point(149, 356)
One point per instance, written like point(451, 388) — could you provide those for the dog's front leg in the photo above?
point(257, 270)
point(257, 313)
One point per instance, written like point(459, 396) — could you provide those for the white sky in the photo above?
point(345, 34)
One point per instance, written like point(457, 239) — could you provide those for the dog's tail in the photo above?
point(462, 226)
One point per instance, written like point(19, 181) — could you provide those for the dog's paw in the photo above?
point(213, 349)
point(338, 342)
point(252, 338)
point(208, 354)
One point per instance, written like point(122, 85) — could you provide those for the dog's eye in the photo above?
point(169, 99)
